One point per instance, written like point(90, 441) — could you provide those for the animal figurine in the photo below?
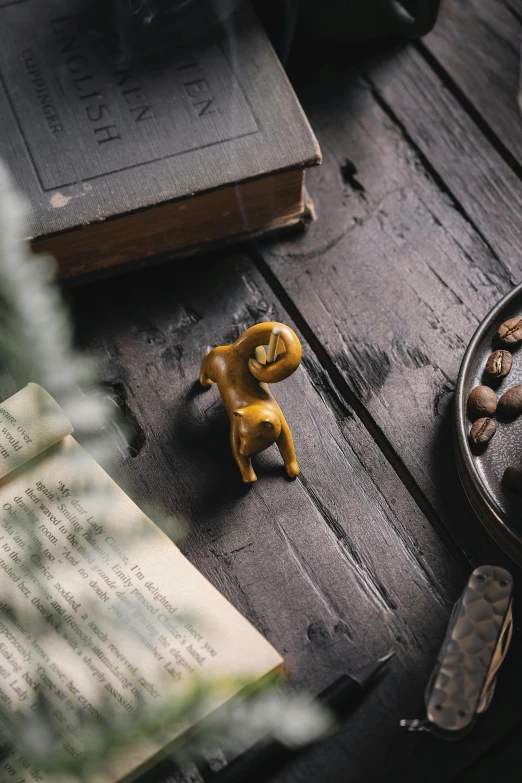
point(256, 420)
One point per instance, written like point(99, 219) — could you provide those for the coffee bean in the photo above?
point(482, 402)
point(511, 330)
point(499, 364)
point(512, 478)
point(510, 404)
point(482, 431)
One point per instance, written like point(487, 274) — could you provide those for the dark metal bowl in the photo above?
point(498, 508)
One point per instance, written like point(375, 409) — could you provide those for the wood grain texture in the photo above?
point(418, 236)
point(477, 44)
point(475, 176)
point(392, 281)
point(332, 568)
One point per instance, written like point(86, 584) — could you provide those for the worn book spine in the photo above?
point(92, 135)
point(182, 226)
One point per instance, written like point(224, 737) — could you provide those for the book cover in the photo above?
point(91, 136)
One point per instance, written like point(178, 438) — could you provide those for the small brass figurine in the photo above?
point(242, 371)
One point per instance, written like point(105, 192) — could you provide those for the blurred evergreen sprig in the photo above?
point(36, 344)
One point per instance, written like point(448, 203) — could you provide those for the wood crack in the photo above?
point(247, 608)
point(410, 544)
point(447, 286)
point(512, 11)
point(373, 587)
point(357, 222)
point(438, 179)
point(310, 577)
point(474, 114)
point(361, 411)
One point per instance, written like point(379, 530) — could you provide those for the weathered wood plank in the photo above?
point(481, 184)
point(477, 43)
point(392, 280)
point(333, 567)
point(418, 752)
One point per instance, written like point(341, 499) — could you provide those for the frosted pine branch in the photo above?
point(35, 328)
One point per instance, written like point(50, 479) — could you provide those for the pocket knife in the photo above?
point(479, 633)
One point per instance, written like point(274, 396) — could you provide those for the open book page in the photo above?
point(99, 609)
point(30, 421)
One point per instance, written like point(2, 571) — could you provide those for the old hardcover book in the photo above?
point(101, 616)
point(123, 159)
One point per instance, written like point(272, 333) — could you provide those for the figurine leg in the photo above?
point(285, 444)
point(244, 464)
point(204, 378)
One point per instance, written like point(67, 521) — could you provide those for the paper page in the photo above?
point(89, 578)
point(30, 421)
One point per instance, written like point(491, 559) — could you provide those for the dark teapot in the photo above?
point(155, 26)
point(362, 20)
point(326, 20)
point(312, 22)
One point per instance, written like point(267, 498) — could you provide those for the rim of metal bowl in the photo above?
point(484, 505)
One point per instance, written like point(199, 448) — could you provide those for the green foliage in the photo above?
point(36, 344)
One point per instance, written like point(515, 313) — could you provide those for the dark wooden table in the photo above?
point(419, 233)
